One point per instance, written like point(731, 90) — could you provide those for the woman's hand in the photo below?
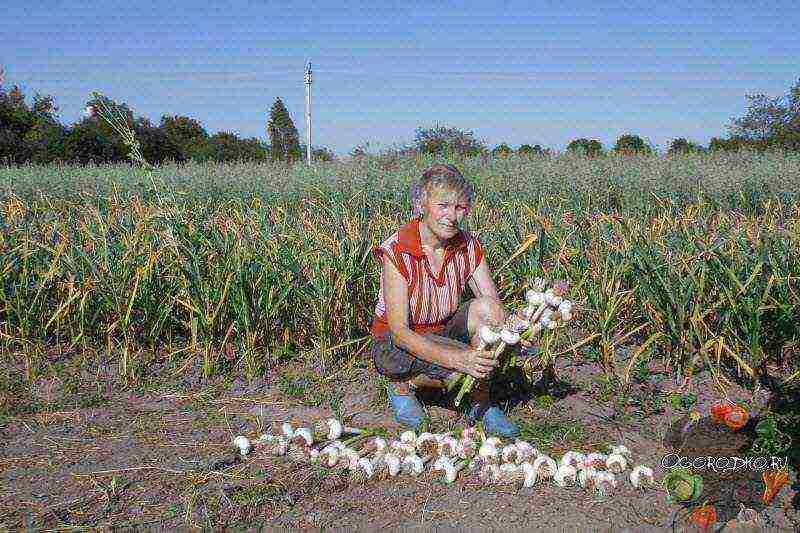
point(478, 364)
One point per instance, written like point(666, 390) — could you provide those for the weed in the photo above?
point(293, 385)
point(548, 434)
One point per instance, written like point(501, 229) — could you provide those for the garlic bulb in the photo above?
point(489, 335)
point(380, 444)
point(243, 443)
point(565, 307)
point(545, 467)
point(530, 475)
point(334, 429)
point(616, 463)
point(467, 448)
point(525, 451)
point(509, 337)
point(492, 441)
point(510, 453)
point(518, 323)
point(313, 456)
point(641, 476)
point(449, 446)
point(305, 434)
point(471, 433)
point(488, 453)
point(574, 459)
point(408, 437)
point(597, 460)
point(565, 476)
point(551, 299)
point(288, 430)
point(392, 463)
point(365, 467)
point(622, 450)
point(332, 456)
point(604, 483)
point(534, 298)
point(586, 477)
point(413, 464)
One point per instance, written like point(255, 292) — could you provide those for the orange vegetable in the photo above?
point(719, 409)
point(774, 480)
point(736, 418)
point(704, 516)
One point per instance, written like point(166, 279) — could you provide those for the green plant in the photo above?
point(682, 486)
point(770, 440)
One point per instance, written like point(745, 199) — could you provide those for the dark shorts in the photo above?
point(397, 364)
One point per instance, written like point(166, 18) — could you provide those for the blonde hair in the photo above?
point(438, 177)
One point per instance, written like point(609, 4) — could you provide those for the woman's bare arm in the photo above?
point(481, 282)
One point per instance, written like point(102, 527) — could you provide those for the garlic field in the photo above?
point(238, 288)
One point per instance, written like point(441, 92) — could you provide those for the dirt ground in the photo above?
point(160, 457)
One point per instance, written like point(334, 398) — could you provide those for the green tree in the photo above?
point(590, 148)
point(283, 136)
point(769, 122)
point(682, 146)
point(28, 133)
point(528, 150)
point(502, 150)
point(441, 140)
point(631, 144)
point(187, 137)
point(718, 144)
point(88, 142)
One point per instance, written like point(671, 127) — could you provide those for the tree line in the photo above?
point(32, 134)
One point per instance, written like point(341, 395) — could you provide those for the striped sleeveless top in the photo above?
point(432, 296)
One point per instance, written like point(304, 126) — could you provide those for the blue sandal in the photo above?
point(407, 409)
point(495, 422)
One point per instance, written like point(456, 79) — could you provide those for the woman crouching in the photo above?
point(423, 335)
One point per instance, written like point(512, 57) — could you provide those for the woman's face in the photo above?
point(443, 212)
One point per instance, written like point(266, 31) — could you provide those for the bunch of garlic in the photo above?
point(547, 308)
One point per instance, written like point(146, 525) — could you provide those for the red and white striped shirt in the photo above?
point(432, 297)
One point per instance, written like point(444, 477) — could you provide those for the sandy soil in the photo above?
point(160, 458)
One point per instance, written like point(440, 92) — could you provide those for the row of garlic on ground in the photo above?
point(446, 457)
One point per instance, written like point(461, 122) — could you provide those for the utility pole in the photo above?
point(308, 112)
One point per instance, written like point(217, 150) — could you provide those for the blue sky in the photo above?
point(516, 72)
